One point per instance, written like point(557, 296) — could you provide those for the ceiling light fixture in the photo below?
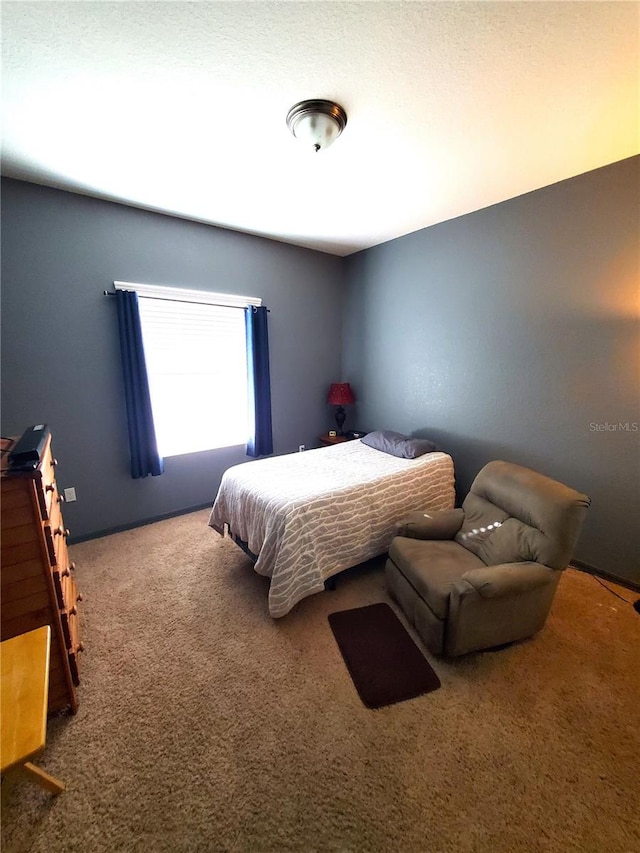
point(317, 123)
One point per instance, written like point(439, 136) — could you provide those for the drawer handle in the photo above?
point(65, 573)
point(60, 499)
point(80, 647)
point(79, 596)
point(61, 531)
point(73, 610)
point(54, 462)
point(50, 487)
point(72, 566)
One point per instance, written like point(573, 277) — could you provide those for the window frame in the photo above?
point(186, 295)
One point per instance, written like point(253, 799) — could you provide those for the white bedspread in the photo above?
point(311, 515)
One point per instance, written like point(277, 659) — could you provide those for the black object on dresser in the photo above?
point(29, 448)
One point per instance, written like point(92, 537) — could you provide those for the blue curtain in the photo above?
point(142, 435)
point(260, 434)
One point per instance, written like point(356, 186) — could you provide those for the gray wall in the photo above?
point(506, 334)
point(503, 334)
point(60, 356)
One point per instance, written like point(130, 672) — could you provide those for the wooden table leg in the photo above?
point(43, 778)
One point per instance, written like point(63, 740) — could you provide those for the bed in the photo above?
point(307, 516)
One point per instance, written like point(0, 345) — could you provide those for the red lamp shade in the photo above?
point(340, 394)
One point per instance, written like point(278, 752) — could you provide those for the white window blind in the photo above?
point(196, 362)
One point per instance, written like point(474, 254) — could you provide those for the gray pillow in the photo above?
point(397, 444)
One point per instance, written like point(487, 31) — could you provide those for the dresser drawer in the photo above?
point(55, 532)
point(59, 535)
point(48, 474)
point(60, 675)
point(68, 614)
point(75, 648)
point(61, 574)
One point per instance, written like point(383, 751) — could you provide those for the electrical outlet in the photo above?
point(69, 495)
point(301, 448)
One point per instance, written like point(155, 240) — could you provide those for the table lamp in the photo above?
point(340, 395)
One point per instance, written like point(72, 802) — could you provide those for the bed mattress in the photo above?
point(308, 516)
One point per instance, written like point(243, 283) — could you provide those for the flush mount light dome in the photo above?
point(316, 123)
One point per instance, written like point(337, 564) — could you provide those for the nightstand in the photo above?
point(327, 440)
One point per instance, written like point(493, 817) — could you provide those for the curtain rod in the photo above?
point(168, 299)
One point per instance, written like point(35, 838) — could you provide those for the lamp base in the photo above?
point(340, 416)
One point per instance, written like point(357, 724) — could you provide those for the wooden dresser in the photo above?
point(36, 575)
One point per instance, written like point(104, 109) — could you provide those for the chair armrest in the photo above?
point(509, 578)
point(441, 524)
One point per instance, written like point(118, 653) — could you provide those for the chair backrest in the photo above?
point(513, 514)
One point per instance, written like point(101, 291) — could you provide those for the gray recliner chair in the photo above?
point(485, 575)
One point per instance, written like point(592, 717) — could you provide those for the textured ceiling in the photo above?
point(180, 107)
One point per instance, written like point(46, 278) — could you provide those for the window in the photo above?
point(195, 350)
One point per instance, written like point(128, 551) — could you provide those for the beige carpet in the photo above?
point(206, 726)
